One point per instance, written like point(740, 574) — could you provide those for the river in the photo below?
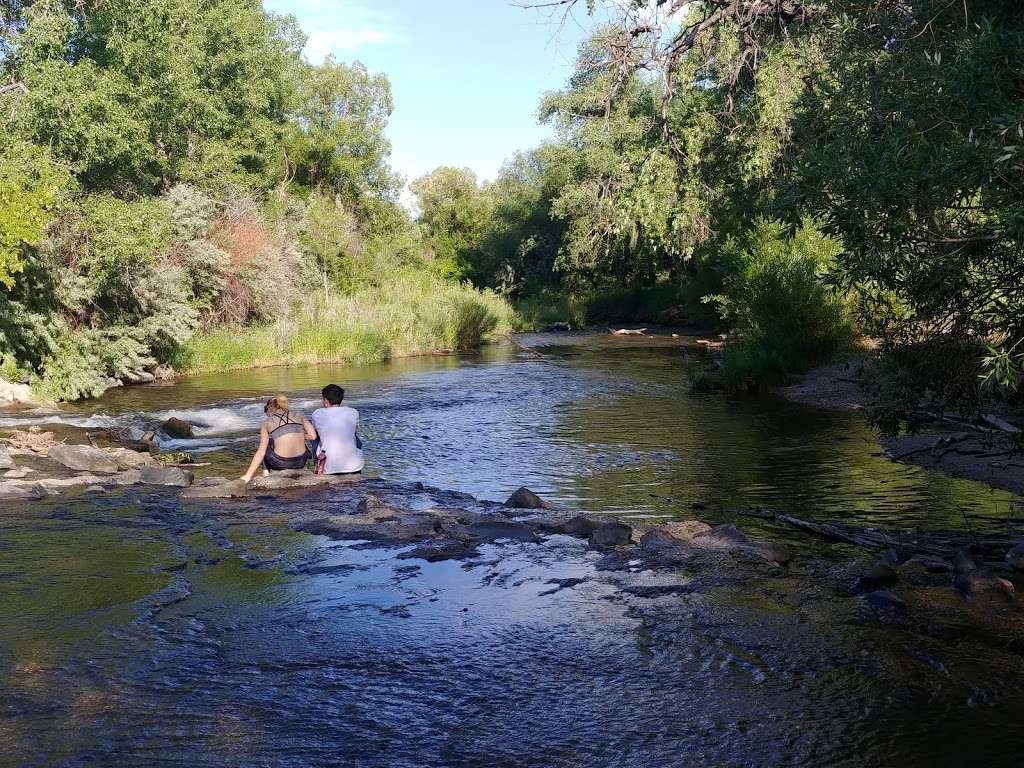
point(136, 629)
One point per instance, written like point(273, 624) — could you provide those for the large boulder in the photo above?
point(177, 429)
point(16, 394)
point(84, 458)
point(524, 498)
point(611, 534)
point(154, 474)
point(6, 462)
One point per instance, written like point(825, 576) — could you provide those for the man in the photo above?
point(340, 450)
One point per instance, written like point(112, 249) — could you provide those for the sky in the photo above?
point(467, 75)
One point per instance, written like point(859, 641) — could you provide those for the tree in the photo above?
point(455, 214)
point(336, 140)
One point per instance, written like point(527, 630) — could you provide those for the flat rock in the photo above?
point(685, 530)
point(128, 477)
point(657, 540)
point(524, 498)
point(440, 549)
point(17, 474)
point(6, 462)
point(611, 534)
point(84, 458)
point(729, 537)
point(176, 477)
point(128, 458)
point(224, 489)
point(494, 530)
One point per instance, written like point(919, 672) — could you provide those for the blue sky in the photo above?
point(467, 75)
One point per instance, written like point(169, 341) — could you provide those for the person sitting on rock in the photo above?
point(339, 450)
point(283, 436)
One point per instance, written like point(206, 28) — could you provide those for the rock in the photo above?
point(163, 373)
point(884, 600)
point(686, 530)
point(493, 530)
point(17, 474)
point(95, 489)
point(149, 437)
point(172, 476)
point(579, 526)
point(83, 458)
point(657, 540)
point(559, 326)
point(524, 498)
point(221, 489)
point(139, 377)
point(283, 482)
point(177, 429)
point(980, 581)
point(143, 446)
point(438, 550)
point(611, 534)
point(1015, 557)
point(16, 394)
point(728, 536)
point(375, 507)
point(128, 477)
point(879, 574)
point(964, 561)
point(6, 462)
point(129, 459)
point(896, 556)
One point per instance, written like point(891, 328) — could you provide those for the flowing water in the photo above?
point(136, 629)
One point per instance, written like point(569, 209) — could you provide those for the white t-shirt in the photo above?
point(336, 427)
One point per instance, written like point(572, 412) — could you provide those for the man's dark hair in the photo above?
point(333, 394)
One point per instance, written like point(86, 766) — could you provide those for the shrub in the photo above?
point(785, 316)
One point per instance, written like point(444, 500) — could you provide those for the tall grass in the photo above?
point(413, 314)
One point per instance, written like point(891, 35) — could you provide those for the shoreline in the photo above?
point(982, 457)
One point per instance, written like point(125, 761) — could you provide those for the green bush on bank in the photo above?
point(415, 313)
point(785, 316)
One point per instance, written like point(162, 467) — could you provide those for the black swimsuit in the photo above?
point(271, 460)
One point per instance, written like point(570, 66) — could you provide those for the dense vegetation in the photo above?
point(178, 185)
point(793, 171)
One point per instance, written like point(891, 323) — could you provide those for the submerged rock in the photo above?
point(440, 549)
point(884, 600)
point(524, 498)
point(879, 574)
point(611, 534)
point(177, 429)
point(728, 536)
point(493, 530)
point(84, 458)
point(215, 488)
point(1015, 557)
point(173, 476)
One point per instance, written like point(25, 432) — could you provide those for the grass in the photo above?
point(414, 314)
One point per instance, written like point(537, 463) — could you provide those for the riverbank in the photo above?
point(989, 456)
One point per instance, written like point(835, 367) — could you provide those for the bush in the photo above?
point(785, 316)
point(413, 313)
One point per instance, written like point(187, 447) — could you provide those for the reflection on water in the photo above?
point(592, 422)
point(139, 630)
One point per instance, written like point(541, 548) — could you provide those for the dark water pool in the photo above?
point(138, 630)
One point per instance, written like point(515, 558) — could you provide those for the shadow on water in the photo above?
point(136, 629)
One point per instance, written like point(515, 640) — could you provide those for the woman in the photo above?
point(283, 437)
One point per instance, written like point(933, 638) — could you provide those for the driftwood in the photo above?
point(938, 547)
point(629, 332)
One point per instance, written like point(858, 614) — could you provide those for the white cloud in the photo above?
point(339, 27)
